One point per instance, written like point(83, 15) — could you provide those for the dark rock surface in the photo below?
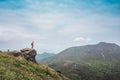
point(27, 53)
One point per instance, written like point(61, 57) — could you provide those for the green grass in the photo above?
point(12, 68)
point(103, 67)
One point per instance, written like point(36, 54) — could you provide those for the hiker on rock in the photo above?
point(32, 44)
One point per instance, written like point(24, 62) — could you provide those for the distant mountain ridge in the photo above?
point(44, 55)
point(99, 60)
point(94, 52)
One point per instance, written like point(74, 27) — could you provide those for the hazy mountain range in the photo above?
point(90, 62)
point(44, 55)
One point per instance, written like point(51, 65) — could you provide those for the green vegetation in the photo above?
point(103, 68)
point(89, 62)
point(90, 70)
point(12, 68)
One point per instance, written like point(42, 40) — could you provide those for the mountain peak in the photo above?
point(103, 43)
point(107, 44)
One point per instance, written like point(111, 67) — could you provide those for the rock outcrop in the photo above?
point(27, 53)
point(16, 53)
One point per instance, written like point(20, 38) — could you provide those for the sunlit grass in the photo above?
point(12, 68)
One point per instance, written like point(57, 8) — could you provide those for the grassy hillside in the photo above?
point(12, 68)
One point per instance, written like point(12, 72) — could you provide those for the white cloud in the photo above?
point(82, 39)
point(7, 34)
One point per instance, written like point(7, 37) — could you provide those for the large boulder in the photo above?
point(27, 53)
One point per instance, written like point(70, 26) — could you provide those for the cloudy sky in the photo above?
point(55, 25)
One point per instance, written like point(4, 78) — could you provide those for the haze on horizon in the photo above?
point(58, 24)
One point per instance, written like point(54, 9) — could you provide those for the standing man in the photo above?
point(32, 44)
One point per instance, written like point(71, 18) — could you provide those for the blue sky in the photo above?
point(55, 25)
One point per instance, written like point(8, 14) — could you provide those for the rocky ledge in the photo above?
point(27, 53)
